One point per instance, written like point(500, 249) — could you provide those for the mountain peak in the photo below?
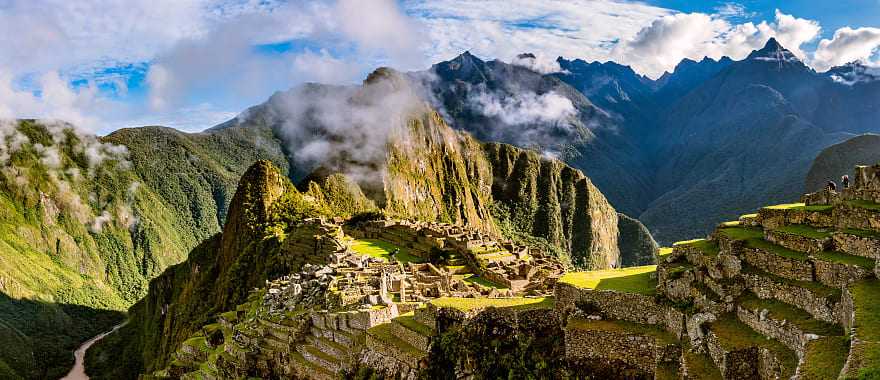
point(773, 51)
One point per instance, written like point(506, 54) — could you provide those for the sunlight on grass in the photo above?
point(382, 250)
point(641, 280)
point(468, 304)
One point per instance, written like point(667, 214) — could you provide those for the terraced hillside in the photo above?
point(791, 290)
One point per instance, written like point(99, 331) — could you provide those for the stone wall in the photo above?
point(827, 309)
point(641, 351)
point(623, 306)
point(849, 216)
point(793, 269)
point(856, 245)
point(787, 333)
point(839, 275)
point(797, 242)
point(775, 218)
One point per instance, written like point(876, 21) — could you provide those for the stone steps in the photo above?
point(740, 352)
point(275, 344)
point(785, 323)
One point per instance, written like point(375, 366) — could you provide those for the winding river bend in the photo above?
point(78, 372)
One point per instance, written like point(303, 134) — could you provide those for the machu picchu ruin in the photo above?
point(790, 291)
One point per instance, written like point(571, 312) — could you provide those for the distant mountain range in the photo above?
point(705, 143)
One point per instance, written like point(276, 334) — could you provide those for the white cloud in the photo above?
point(505, 28)
point(661, 45)
point(538, 62)
point(846, 46)
point(525, 107)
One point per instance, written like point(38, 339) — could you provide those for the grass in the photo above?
point(814, 287)
point(474, 279)
point(409, 321)
point(384, 333)
point(382, 250)
point(742, 233)
point(701, 366)
point(805, 231)
point(863, 233)
point(470, 304)
point(801, 207)
point(625, 327)
point(664, 251)
point(777, 249)
point(825, 357)
point(735, 335)
point(732, 223)
point(708, 247)
point(864, 204)
point(641, 280)
point(867, 310)
point(843, 258)
point(675, 271)
point(748, 216)
point(780, 310)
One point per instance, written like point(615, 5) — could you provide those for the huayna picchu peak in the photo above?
point(439, 190)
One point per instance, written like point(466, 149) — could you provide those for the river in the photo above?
point(78, 372)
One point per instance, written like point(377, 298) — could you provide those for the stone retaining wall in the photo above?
point(857, 217)
point(641, 351)
point(623, 306)
point(839, 275)
point(824, 308)
point(856, 245)
point(797, 242)
point(775, 218)
point(793, 269)
point(783, 331)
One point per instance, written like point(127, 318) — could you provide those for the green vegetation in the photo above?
point(383, 250)
point(862, 233)
point(867, 310)
point(409, 321)
point(734, 335)
point(801, 207)
point(664, 251)
point(825, 357)
point(701, 366)
point(742, 233)
point(641, 280)
point(384, 333)
point(624, 327)
point(843, 258)
point(474, 279)
point(470, 304)
point(708, 247)
point(864, 204)
point(782, 311)
point(777, 249)
point(816, 288)
point(806, 231)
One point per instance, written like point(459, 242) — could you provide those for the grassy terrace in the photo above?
point(780, 310)
point(843, 258)
point(735, 335)
point(862, 233)
point(867, 317)
point(664, 251)
point(474, 279)
point(801, 207)
point(469, 304)
point(814, 287)
point(384, 333)
point(408, 320)
point(641, 280)
point(707, 246)
point(825, 357)
point(382, 250)
point(754, 238)
point(865, 205)
point(625, 327)
point(806, 231)
point(701, 366)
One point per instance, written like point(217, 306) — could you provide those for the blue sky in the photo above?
point(191, 64)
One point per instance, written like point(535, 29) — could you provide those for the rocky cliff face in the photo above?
point(547, 199)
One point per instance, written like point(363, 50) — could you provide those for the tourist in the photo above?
point(845, 181)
